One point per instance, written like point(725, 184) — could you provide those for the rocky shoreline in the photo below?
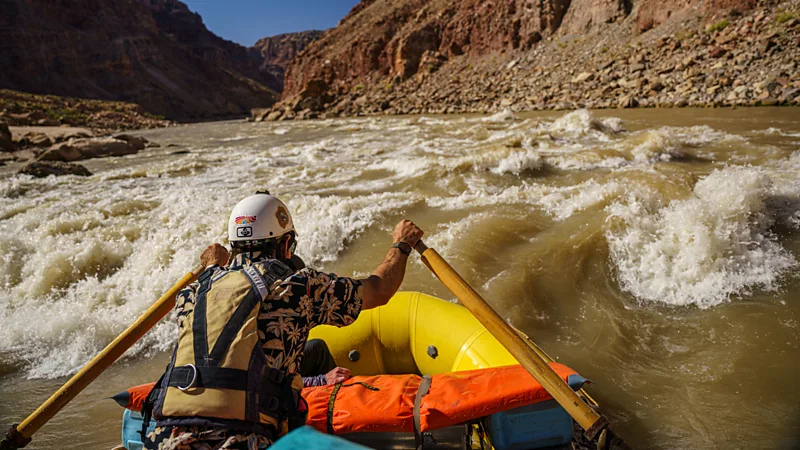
point(44, 151)
point(50, 133)
point(100, 116)
point(730, 58)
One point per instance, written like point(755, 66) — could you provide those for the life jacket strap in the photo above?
point(277, 397)
point(148, 405)
point(208, 377)
point(205, 275)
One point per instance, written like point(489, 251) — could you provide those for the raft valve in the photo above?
point(433, 352)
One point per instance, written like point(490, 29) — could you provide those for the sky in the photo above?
point(246, 21)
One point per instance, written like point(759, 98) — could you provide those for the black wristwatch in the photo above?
point(403, 247)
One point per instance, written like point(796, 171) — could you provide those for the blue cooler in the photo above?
point(131, 430)
point(541, 425)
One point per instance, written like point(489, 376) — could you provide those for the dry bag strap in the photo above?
point(424, 387)
point(188, 377)
point(332, 401)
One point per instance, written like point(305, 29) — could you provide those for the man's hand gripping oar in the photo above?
point(18, 436)
point(596, 427)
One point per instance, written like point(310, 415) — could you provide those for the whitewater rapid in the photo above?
point(81, 258)
point(655, 251)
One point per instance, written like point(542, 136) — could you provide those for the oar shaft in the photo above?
point(586, 417)
point(105, 358)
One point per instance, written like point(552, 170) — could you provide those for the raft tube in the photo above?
point(416, 333)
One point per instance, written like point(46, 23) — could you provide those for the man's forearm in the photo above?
point(385, 280)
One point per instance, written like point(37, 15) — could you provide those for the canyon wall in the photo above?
point(152, 52)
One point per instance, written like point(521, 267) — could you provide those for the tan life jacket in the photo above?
point(218, 375)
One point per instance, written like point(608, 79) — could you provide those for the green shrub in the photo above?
point(719, 26)
point(358, 87)
point(154, 116)
point(785, 17)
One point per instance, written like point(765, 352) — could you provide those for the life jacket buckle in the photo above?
point(194, 379)
point(276, 376)
point(273, 404)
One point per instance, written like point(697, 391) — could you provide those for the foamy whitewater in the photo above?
point(82, 258)
point(655, 251)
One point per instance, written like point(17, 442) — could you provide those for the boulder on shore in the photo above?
point(79, 149)
point(40, 169)
point(258, 114)
point(274, 115)
point(34, 139)
point(44, 137)
point(137, 142)
point(6, 143)
point(27, 118)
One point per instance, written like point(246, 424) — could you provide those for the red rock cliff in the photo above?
point(398, 39)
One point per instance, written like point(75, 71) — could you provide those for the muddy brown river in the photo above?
point(655, 251)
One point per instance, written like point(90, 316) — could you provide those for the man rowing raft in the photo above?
point(233, 382)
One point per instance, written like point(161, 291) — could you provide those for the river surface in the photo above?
point(655, 251)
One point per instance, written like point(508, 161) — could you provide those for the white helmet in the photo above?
point(260, 216)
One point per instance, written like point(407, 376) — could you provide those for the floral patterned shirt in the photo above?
point(291, 309)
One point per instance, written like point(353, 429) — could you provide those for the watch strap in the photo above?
point(404, 247)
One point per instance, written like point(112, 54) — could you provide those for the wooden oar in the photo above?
point(596, 427)
point(19, 436)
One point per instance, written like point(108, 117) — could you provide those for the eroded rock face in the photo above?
point(447, 56)
point(40, 169)
point(154, 53)
point(652, 13)
point(582, 15)
point(274, 53)
point(390, 38)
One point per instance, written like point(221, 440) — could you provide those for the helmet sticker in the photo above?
point(245, 220)
point(283, 216)
point(244, 232)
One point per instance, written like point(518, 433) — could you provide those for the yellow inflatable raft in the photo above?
point(420, 334)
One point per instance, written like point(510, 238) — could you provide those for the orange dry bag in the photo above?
point(385, 403)
point(134, 397)
point(373, 403)
point(457, 397)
